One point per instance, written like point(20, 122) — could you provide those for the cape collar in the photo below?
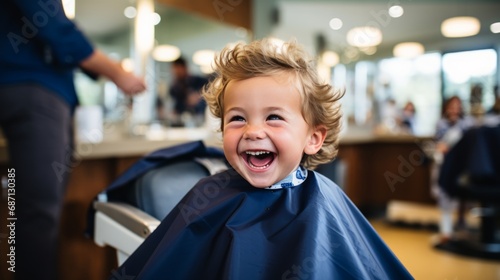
point(293, 179)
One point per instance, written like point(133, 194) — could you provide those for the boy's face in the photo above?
point(264, 132)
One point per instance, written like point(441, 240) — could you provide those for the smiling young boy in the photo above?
point(265, 135)
point(269, 216)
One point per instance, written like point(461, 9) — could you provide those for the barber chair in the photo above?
point(133, 206)
point(471, 173)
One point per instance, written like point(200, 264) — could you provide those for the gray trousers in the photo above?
point(38, 127)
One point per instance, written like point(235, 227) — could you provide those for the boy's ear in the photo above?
point(316, 140)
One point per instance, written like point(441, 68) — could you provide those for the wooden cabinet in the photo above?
point(377, 172)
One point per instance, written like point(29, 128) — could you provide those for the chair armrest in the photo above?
point(132, 218)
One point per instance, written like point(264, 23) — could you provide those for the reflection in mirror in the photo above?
point(417, 80)
point(190, 33)
point(194, 36)
point(471, 75)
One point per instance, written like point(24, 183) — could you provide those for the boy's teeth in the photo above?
point(257, 153)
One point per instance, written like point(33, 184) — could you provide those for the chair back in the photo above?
point(160, 189)
point(472, 166)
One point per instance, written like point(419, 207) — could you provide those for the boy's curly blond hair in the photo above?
point(259, 58)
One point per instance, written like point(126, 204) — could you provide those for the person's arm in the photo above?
point(100, 64)
point(71, 48)
point(67, 44)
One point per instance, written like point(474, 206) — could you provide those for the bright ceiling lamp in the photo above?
point(369, 50)
point(396, 11)
point(364, 36)
point(204, 57)
point(166, 53)
point(408, 50)
point(155, 18)
point(460, 27)
point(495, 27)
point(335, 23)
point(130, 12)
point(330, 58)
point(69, 8)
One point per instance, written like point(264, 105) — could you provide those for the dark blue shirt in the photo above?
point(40, 45)
point(182, 88)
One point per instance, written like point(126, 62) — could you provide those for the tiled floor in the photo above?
point(413, 247)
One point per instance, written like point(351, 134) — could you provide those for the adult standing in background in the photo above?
point(41, 48)
point(407, 118)
point(449, 130)
point(186, 91)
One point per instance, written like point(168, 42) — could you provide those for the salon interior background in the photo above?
point(370, 74)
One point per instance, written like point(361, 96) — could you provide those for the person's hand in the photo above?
point(100, 64)
point(442, 148)
point(129, 83)
point(193, 98)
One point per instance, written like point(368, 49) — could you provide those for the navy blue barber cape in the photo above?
point(226, 229)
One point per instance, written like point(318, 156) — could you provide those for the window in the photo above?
point(414, 80)
point(464, 71)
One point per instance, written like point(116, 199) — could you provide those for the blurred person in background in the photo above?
point(493, 115)
point(41, 48)
point(476, 101)
point(186, 93)
point(450, 128)
point(407, 118)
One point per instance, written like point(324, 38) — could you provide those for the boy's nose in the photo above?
point(254, 132)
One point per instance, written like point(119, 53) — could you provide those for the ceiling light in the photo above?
point(69, 8)
point(495, 27)
point(166, 53)
point(155, 18)
point(460, 27)
point(204, 57)
point(364, 36)
point(335, 23)
point(351, 53)
point(330, 58)
point(130, 12)
point(396, 11)
point(408, 50)
point(369, 50)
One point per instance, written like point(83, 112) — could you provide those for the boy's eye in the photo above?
point(236, 119)
point(274, 118)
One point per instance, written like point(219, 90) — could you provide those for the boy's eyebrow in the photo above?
point(234, 109)
point(267, 109)
point(276, 109)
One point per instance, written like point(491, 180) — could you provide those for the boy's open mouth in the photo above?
point(259, 159)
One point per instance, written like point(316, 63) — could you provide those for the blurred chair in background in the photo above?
point(471, 173)
point(449, 129)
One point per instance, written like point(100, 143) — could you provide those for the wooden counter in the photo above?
point(386, 169)
point(376, 170)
